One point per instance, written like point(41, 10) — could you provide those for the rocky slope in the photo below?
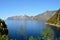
point(45, 16)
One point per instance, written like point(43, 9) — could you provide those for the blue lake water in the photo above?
point(16, 28)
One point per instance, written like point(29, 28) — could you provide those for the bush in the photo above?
point(3, 37)
point(47, 34)
point(31, 38)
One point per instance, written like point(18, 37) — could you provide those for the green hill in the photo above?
point(55, 19)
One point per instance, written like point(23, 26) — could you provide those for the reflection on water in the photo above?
point(47, 33)
point(22, 33)
point(56, 31)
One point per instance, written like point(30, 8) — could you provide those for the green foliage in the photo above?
point(3, 27)
point(38, 38)
point(58, 38)
point(1, 20)
point(3, 37)
point(3, 30)
point(55, 19)
point(47, 34)
point(31, 38)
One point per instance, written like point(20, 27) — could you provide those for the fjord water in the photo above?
point(16, 28)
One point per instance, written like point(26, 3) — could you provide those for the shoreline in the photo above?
point(53, 24)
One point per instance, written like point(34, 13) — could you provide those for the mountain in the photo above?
point(55, 19)
point(25, 17)
point(43, 16)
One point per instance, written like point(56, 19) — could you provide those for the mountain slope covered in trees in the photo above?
point(55, 19)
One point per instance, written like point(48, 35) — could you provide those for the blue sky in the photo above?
point(26, 7)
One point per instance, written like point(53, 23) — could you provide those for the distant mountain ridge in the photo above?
point(25, 17)
point(44, 16)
